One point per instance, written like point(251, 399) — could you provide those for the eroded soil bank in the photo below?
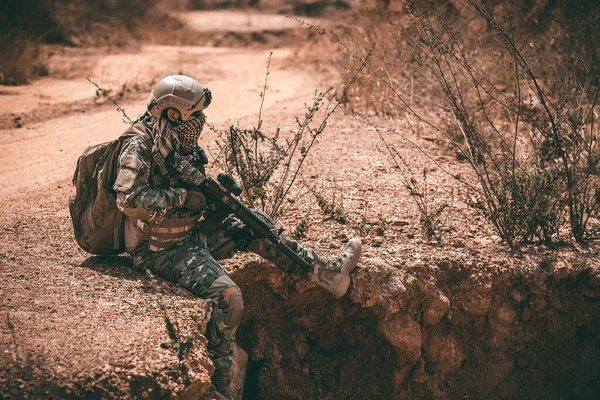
point(449, 327)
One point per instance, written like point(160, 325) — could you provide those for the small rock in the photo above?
point(590, 292)
point(501, 323)
point(560, 269)
point(479, 300)
point(478, 304)
point(458, 243)
point(506, 314)
point(540, 305)
point(238, 371)
point(517, 295)
point(420, 376)
point(437, 308)
point(446, 352)
point(404, 334)
point(398, 222)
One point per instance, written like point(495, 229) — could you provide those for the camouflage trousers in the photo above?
point(192, 263)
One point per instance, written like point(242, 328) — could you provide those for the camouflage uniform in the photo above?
point(149, 198)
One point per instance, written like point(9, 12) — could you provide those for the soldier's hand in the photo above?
point(195, 200)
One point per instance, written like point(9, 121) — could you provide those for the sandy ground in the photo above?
point(75, 313)
point(235, 77)
point(248, 21)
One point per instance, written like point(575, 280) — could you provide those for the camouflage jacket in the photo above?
point(142, 191)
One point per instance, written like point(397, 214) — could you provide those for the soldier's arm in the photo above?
point(134, 195)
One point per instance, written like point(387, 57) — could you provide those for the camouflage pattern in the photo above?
point(187, 171)
point(193, 265)
point(135, 197)
point(144, 193)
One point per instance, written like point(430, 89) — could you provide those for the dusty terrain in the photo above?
point(466, 318)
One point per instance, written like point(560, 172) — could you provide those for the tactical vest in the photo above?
point(176, 228)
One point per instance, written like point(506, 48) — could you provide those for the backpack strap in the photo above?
point(119, 232)
point(139, 129)
point(159, 157)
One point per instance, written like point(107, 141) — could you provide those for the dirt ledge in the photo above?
point(437, 325)
point(110, 343)
point(445, 327)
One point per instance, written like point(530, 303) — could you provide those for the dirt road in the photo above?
point(43, 152)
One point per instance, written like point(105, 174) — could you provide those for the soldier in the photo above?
point(166, 220)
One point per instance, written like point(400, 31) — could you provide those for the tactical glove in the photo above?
point(239, 232)
point(195, 201)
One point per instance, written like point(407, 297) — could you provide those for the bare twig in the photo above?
point(106, 94)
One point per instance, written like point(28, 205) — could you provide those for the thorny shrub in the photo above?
point(266, 165)
point(518, 104)
point(302, 227)
point(332, 206)
point(365, 227)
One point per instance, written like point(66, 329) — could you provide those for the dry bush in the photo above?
point(518, 104)
point(268, 166)
point(370, 95)
point(20, 61)
point(331, 202)
point(357, 26)
point(527, 129)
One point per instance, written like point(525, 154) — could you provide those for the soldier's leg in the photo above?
point(192, 266)
point(226, 317)
point(332, 275)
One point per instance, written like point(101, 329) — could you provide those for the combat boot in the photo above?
point(334, 276)
point(221, 379)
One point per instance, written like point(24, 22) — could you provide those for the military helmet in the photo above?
point(181, 93)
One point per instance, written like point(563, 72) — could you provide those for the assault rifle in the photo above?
point(221, 197)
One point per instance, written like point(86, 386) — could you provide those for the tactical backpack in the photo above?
point(97, 222)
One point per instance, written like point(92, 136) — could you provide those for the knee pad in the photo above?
point(229, 307)
point(235, 310)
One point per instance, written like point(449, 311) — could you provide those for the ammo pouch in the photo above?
point(169, 232)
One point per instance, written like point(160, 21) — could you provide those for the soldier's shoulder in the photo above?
point(139, 144)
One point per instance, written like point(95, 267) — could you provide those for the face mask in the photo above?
point(186, 134)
